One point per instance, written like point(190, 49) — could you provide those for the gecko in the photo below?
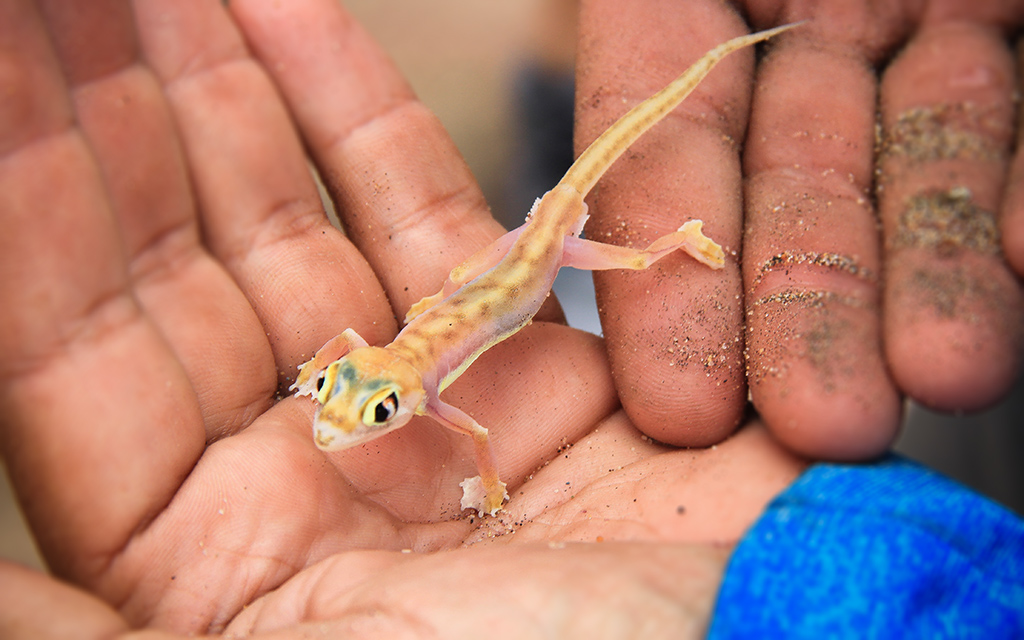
point(363, 392)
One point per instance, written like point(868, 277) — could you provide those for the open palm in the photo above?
point(168, 247)
point(166, 266)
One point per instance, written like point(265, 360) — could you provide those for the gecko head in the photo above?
point(365, 394)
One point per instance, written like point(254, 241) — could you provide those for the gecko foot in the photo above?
point(474, 496)
point(309, 373)
point(305, 384)
point(702, 248)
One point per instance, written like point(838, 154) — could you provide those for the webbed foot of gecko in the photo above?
point(475, 496)
point(305, 384)
point(701, 247)
point(691, 239)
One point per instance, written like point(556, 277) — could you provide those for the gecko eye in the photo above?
point(325, 383)
point(382, 410)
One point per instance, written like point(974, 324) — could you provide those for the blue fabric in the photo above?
point(885, 550)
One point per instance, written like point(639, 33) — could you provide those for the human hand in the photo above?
point(840, 320)
point(167, 264)
point(660, 590)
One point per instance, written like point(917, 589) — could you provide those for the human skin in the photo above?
point(839, 319)
point(156, 303)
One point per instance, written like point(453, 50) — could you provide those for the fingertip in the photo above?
point(817, 376)
point(970, 377)
point(819, 382)
point(690, 421)
point(953, 332)
point(841, 427)
point(676, 359)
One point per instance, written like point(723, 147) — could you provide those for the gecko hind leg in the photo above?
point(597, 256)
point(486, 492)
point(336, 347)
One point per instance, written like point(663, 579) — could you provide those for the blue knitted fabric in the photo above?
point(885, 550)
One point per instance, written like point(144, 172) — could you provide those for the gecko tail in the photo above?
point(602, 152)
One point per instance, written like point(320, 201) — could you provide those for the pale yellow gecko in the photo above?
point(364, 392)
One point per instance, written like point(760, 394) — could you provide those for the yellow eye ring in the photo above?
point(381, 408)
point(325, 383)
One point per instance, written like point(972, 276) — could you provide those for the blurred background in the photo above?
point(499, 76)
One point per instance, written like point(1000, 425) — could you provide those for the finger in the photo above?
point(811, 262)
point(93, 400)
point(672, 330)
point(30, 599)
point(404, 194)
point(193, 301)
point(260, 212)
point(952, 307)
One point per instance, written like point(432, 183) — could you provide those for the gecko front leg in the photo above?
point(485, 492)
point(309, 373)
